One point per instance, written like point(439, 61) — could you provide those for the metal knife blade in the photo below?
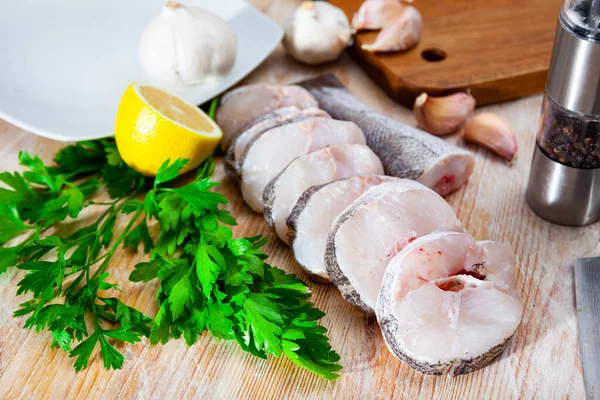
point(587, 293)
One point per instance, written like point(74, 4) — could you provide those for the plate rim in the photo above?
point(51, 134)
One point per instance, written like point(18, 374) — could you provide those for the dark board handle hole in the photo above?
point(433, 55)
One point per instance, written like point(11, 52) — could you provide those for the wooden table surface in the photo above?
point(542, 361)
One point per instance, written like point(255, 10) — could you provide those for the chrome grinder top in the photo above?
point(564, 183)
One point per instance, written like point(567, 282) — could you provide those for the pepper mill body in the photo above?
point(564, 182)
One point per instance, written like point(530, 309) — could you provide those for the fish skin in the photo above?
point(343, 162)
point(452, 369)
point(245, 103)
point(496, 275)
point(347, 188)
point(375, 196)
point(405, 151)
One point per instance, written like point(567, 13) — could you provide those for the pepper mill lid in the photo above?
point(574, 77)
point(583, 16)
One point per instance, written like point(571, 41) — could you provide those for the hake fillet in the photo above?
point(376, 227)
point(259, 125)
point(405, 152)
point(248, 102)
point(313, 216)
point(448, 303)
point(270, 152)
point(316, 168)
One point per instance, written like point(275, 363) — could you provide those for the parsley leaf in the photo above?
point(168, 171)
point(10, 222)
point(139, 234)
point(73, 310)
point(211, 281)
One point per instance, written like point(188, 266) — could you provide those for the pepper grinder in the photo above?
point(564, 182)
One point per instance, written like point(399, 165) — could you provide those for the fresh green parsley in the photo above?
point(209, 281)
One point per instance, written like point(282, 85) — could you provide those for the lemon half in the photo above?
point(153, 126)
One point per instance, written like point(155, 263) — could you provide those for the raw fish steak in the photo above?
point(376, 227)
point(245, 103)
point(448, 303)
point(270, 152)
point(316, 168)
point(314, 214)
point(281, 116)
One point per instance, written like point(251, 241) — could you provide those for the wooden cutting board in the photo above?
point(541, 362)
point(498, 49)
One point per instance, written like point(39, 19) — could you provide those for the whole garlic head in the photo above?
point(185, 45)
point(318, 32)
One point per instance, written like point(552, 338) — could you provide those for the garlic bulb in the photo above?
point(318, 32)
point(185, 45)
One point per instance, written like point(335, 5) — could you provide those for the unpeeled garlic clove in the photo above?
point(443, 115)
point(493, 133)
point(402, 33)
point(375, 14)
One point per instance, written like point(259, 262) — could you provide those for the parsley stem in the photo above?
point(213, 107)
point(109, 254)
point(99, 203)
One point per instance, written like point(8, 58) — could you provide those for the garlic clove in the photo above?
point(318, 32)
point(443, 115)
point(375, 14)
point(402, 33)
point(493, 133)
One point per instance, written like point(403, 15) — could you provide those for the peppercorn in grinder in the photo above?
point(564, 182)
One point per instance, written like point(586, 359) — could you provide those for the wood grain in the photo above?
point(498, 49)
point(542, 361)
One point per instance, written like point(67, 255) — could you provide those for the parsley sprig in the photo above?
point(209, 281)
point(65, 274)
point(212, 282)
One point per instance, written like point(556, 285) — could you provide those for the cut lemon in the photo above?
point(153, 126)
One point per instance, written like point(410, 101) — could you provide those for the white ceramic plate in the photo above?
point(64, 64)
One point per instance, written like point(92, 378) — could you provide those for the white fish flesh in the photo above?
point(313, 216)
point(316, 168)
point(273, 119)
point(270, 152)
point(376, 227)
point(248, 102)
point(448, 303)
point(268, 120)
point(405, 152)
point(375, 14)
